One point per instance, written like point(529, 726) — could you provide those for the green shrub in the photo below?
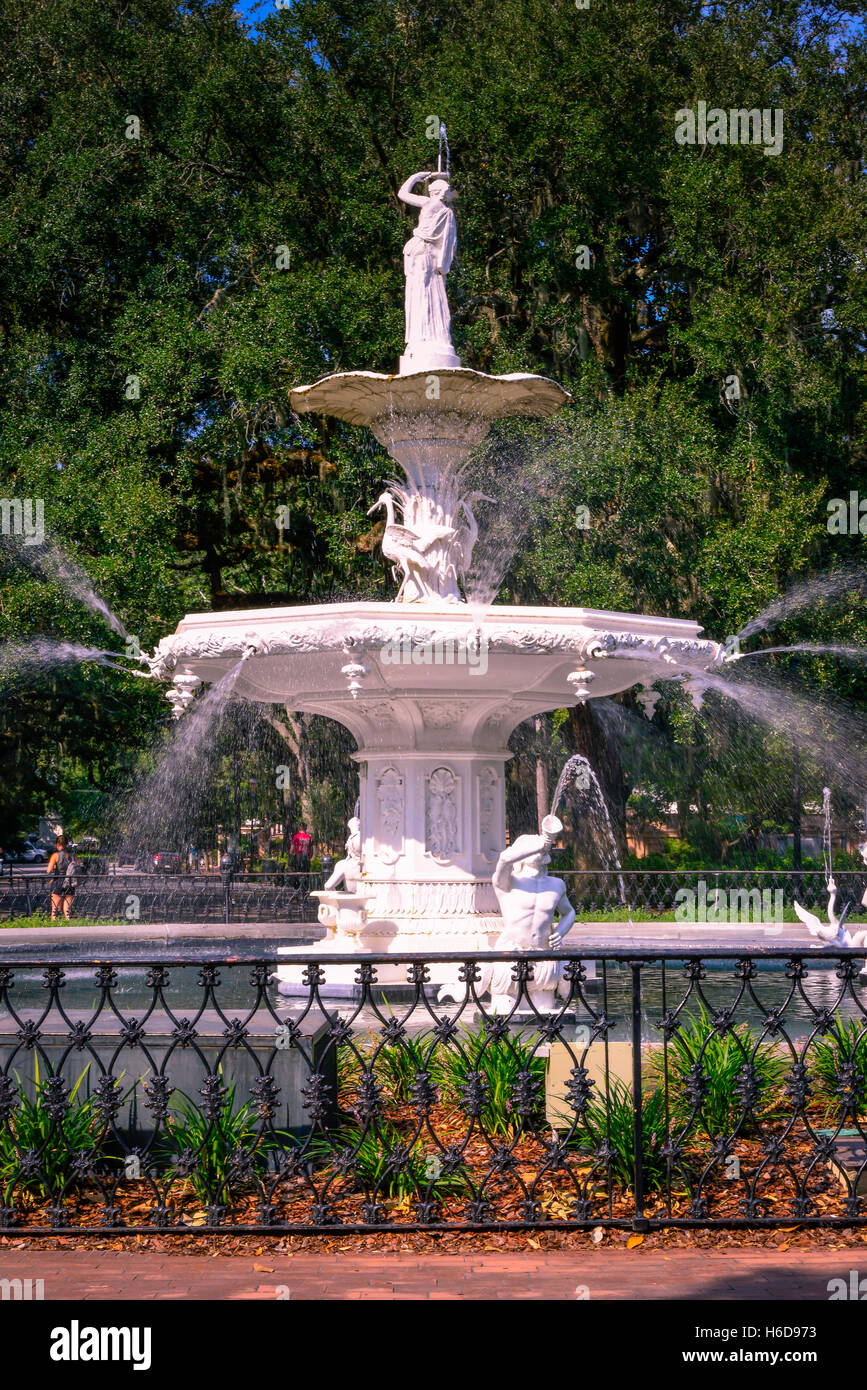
point(511, 1077)
point(31, 1132)
point(501, 1064)
point(379, 1159)
point(394, 1065)
point(221, 1157)
point(611, 1126)
point(845, 1045)
point(722, 1058)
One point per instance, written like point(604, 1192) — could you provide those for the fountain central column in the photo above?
point(432, 807)
point(433, 825)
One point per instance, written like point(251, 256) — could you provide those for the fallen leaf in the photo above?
point(264, 1269)
point(784, 1246)
point(633, 1241)
point(597, 1235)
point(533, 1244)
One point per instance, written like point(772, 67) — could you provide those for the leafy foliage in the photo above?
point(152, 328)
point(706, 1068)
point(608, 1122)
point(39, 1144)
point(508, 1073)
point(380, 1159)
point(220, 1157)
point(839, 1064)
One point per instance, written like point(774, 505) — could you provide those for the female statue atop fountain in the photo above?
point(427, 259)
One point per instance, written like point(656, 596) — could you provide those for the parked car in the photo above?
point(165, 862)
point(25, 852)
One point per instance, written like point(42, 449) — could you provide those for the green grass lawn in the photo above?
point(614, 914)
point(38, 919)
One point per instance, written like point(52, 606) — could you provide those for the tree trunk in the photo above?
point(543, 797)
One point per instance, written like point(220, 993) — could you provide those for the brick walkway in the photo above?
point(605, 1274)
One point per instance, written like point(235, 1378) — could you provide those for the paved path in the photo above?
point(605, 1274)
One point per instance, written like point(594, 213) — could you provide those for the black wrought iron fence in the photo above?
point(720, 1091)
point(658, 890)
point(134, 897)
point(242, 897)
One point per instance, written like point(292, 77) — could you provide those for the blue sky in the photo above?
point(255, 10)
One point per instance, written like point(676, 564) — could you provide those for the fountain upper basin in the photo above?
point(368, 398)
point(429, 421)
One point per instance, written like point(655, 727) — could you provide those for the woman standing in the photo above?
point(61, 870)
point(427, 259)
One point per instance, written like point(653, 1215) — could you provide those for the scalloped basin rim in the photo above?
point(362, 397)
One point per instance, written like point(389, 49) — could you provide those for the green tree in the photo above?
point(195, 217)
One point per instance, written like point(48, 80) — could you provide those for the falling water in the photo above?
point(517, 471)
point(42, 655)
point(816, 648)
point(444, 140)
point(827, 730)
point(49, 560)
point(569, 773)
point(827, 852)
point(157, 815)
point(824, 586)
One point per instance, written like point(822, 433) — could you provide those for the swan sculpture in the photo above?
point(466, 536)
point(835, 932)
point(407, 548)
point(816, 927)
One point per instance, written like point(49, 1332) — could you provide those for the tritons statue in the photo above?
point(537, 914)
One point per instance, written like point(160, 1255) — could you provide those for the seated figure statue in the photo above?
point(348, 871)
point(530, 900)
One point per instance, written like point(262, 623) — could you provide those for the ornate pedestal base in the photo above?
point(430, 359)
point(466, 934)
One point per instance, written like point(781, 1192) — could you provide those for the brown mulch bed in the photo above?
point(555, 1191)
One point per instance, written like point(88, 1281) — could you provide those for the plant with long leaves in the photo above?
point(219, 1156)
point(46, 1134)
point(505, 1074)
point(717, 1075)
point(838, 1062)
point(381, 1160)
point(607, 1133)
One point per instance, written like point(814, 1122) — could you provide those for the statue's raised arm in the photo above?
point(405, 193)
point(427, 259)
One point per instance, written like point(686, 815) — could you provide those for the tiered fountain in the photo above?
point(429, 690)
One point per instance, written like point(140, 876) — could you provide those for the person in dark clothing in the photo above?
point(61, 869)
point(301, 848)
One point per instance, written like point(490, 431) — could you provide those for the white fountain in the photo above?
point(430, 692)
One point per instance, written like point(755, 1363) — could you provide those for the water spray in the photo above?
point(826, 838)
point(444, 140)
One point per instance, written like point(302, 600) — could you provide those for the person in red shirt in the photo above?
point(301, 846)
